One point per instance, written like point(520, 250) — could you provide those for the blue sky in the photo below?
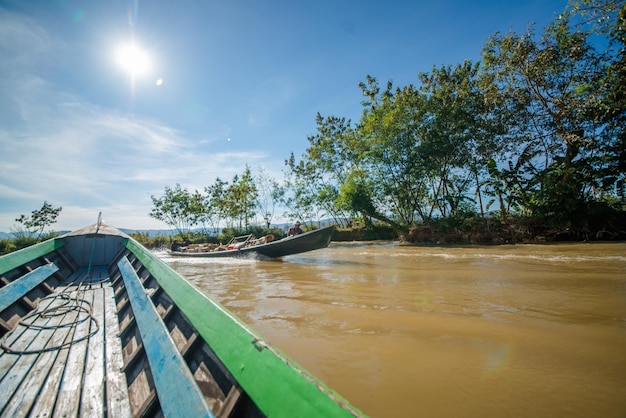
point(229, 84)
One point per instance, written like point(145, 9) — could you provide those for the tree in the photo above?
point(216, 210)
point(200, 207)
point(391, 128)
point(40, 219)
point(177, 208)
point(330, 159)
point(607, 18)
point(240, 198)
point(553, 86)
point(270, 193)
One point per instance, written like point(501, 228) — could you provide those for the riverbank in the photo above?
point(447, 231)
point(481, 231)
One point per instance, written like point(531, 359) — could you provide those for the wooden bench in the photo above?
point(176, 387)
point(15, 290)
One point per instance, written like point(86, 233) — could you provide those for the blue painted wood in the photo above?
point(12, 292)
point(176, 388)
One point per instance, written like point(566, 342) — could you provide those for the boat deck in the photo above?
point(65, 357)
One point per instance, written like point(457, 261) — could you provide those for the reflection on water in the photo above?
point(527, 330)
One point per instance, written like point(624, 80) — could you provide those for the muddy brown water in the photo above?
point(515, 331)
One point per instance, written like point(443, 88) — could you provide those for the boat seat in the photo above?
point(175, 385)
point(15, 290)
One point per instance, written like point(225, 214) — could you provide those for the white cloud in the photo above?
point(81, 154)
point(25, 44)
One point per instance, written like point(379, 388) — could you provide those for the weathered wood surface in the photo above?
point(65, 358)
point(20, 287)
point(15, 368)
point(118, 404)
point(174, 382)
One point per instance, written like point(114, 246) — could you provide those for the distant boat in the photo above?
point(265, 246)
point(94, 324)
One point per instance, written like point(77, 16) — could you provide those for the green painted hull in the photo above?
point(309, 241)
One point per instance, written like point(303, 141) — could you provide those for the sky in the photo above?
point(212, 87)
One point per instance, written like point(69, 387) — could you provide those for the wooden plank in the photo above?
point(42, 370)
point(133, 357)
point(118, 404)
point(68, 399)
point(23, 399)
point(49, 392)
point(92, 395)
point(14, 385)
point(17, 341)
point(229, 403)
point(176, 388)
point(5, 326)
point(67, 260)
point(15, 290)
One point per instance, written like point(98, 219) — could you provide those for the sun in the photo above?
point(133, 59)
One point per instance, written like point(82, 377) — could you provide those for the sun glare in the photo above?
point(132, 59)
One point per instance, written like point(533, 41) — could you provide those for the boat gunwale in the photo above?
point(23, 256)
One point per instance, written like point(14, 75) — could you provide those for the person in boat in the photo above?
point(295, 229)
point(176, 246)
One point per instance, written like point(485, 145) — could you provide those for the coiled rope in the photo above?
point(71, 301)
point(69, 304)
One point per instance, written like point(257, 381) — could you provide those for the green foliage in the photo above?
point(38, 221)
point(355, 196)
point(379, 231)
point(7, 246)
point(269, 194)
point(197, 216)
point(32, 230)
point(22, 239)
point(177, 208)
point(570, 112)
point(332, 157)
point(158, 241)
point(241, 199)
point(393, 133)
point(535, 129)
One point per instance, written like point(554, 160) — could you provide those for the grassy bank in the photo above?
point(21, 241)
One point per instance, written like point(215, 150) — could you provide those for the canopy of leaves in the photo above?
point(40, 219)
point(536, 128)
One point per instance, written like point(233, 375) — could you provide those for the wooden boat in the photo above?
point(248, 245)
point(94, 324)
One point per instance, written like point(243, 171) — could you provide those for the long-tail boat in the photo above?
point(94, 324)
point(249, 245)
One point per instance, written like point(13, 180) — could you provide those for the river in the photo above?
point(404, 331)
